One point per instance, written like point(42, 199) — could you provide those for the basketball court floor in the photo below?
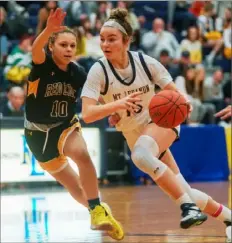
point(147, 215)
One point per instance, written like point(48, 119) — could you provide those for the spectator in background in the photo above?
point(227, 91)
point(213, 90)
point(102, 13)
point(197, 7)
point(133, 19)
point(188, 84)
point(154, 41)
point(81, 43)
point(15, 104)
point(77, 11)
point(166, 61)
point(18, 20)
point(193, 44)
point(43, 15)
point(18, 63)
point(211, 28)
point(227, 17)
point(4, 35)
point(179, 17)
point(227, 51)
point(185, 63)
point(92, 40)
point(134, 22)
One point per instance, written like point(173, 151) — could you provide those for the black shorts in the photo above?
point(47, 146)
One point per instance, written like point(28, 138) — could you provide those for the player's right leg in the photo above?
point(145, 154)
point(101, 215)
point(204, 202)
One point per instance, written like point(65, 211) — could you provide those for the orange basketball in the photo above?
point(168, 109)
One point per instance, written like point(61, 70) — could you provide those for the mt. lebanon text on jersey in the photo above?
point(60, 89)
point(143, 89)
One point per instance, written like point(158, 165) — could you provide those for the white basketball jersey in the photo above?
point(117, 89)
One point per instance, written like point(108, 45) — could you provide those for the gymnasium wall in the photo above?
point(203, 153)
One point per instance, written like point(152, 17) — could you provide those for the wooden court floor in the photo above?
point(146, 213)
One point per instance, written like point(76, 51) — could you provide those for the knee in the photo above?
point(80, 157)
point(138, 158)
point(144, 156)
point(144, 146)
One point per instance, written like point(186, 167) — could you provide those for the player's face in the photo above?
point(112, 43)
point(64, 48)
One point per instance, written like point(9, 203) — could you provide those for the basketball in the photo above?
point(168, 109)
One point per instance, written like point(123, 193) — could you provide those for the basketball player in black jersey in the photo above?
point(52, 130)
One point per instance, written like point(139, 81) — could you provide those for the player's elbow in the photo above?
point(86, 116)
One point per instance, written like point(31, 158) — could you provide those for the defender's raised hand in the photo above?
point(55, 20)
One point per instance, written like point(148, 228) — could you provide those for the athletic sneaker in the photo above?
point(228, 231)
point(191, 216)
point(117, 233)
point(102, 219)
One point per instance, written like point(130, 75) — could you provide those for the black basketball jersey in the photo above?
point(52, 92)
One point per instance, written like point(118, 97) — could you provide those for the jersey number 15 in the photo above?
point(136, 111)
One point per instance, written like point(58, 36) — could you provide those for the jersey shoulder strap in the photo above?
point(146, 69)
point(106, 78)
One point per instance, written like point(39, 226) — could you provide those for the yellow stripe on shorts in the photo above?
point(55, 164)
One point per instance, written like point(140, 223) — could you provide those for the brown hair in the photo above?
point(120, 15)
point(193, 27)
point(53, 37)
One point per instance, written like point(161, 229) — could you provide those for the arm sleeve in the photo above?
point(159, 73)
point(95, 79)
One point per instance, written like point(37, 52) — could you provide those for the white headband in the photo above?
point(114, 24)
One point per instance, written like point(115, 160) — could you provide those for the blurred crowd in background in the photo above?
point(192, 39)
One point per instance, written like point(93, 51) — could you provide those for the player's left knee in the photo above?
point(144, 156)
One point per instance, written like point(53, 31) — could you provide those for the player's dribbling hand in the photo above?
point(55, 20)
point(225, 113)
point(129, 102)
point(114, 119)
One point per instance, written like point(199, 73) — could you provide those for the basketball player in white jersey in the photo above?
point(125, 82)
point(122, 83)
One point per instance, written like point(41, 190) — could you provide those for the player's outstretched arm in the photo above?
point(54, 24)
point(225, 113)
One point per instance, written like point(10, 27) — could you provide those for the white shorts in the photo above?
point(132, 136)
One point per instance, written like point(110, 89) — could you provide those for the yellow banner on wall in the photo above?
point(228, 143)
point(229, 150)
